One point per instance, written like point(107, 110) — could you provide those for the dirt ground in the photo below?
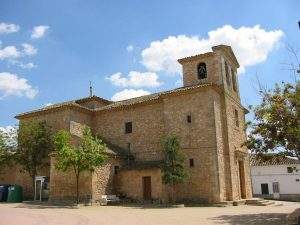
point(39, 214)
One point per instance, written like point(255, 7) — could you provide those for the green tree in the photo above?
point(276, 121)
point(173, 171)
point(89, 154)
point(34, 145)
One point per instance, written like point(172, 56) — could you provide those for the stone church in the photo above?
point(206, 114)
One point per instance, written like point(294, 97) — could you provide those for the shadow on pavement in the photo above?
point(44, 205)
point(253, 219)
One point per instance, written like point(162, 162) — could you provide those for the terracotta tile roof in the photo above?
point(53, 107)
point(110, 104)
point(143, 165)
point(151, 97)
point(228, 50)
point(94, 97)
point(272, 160)
point(194, 57)
point(116, 150)
point(225, 48)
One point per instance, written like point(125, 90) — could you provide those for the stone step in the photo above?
point(226, 203)
point(239, 202)
point(259, 202)
point(254, 200)
point(266, 203)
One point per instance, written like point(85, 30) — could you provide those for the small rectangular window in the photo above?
point(191, 162)
point(236, 118)
point(233, 76)
point(128, 127)
point(275, 187)
point(227, 74)
point(189, 118)
point(116, 169)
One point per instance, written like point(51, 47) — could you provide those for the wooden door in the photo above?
point(147, 188)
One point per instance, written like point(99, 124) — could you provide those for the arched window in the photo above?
point(201, 70)
point(233, 78)
point(227, 74)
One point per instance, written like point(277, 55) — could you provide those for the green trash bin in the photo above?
point(15, 194)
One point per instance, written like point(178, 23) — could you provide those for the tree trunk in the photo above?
point(173, 193)
point(33, 185)
point(77, 188)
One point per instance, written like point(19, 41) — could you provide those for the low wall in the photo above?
point(283, 197)
point(15, 175)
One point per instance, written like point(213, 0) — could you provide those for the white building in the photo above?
point(276, 177)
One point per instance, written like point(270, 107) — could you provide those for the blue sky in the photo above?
point(50, 50)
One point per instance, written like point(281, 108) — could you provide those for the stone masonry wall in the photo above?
point(15, 175)
point(130, 183)
point(198, 141)
point(220, 147)
point(63, 184)
point(237, 137)
point(147, 129)
point(212, 67)
point(104, 179)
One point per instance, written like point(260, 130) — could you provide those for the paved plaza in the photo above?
point(28, 214)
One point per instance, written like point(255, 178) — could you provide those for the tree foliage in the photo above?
point(89, 154)
point(173, 169)
point(8, 144)
point(276, 121)
point(3, 151)
point(34, 145)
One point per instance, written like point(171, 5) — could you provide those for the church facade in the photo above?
point(205, 114)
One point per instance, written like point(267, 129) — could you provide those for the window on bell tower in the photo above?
point(233, 76)
point(201, 70)
point(227, 74)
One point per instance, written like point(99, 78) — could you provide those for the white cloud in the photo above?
point(6, 28)
point(9, 52)
point(39, 31)
point(129, 48)
point(250, 44)
point(27, 65)
point(129, 93)
point(12, 85)
point(28, 49)
point(135, 79)
point(12, 53)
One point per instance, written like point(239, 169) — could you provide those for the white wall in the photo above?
point(269, 174)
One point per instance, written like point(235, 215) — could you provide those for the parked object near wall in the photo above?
point(3, 192)
point(15, 194)
point(276, 176)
